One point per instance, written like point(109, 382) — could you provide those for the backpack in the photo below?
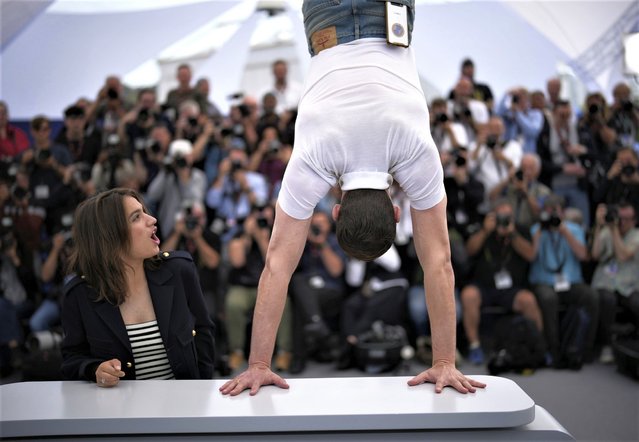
point(573, 332)
point(518, 345)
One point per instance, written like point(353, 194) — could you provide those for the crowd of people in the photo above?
point(542, 214)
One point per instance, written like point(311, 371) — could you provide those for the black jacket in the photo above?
point(94, 332)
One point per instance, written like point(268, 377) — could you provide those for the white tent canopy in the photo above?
point(55, 51)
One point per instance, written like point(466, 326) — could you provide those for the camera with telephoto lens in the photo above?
point(504, 220)
point(549, 220)
point(519, 175)
point(516, 99)
point(260, 219)
point(143, 115)
point(192, 121)
point(612, 214)
point(594, 109)
point(190, 221)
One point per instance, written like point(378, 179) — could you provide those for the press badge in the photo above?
point(396, 24)
point(503, 280)
point(561, 283)
point(41, 192)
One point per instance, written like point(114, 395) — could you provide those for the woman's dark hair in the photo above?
point(101, 236)
point(365, 226)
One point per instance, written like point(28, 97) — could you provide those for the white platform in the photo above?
point(339, 407)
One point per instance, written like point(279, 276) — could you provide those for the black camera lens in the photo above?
point(20, 193)
point(262, 222)
point(612, 214)
point(180, 162)
point(441, 118)
point(627, 106)
point(112, 94)
point(593, 109)
point(519, 175)
point(515, 99)
point(143, 115)
point(628, 170)
point(156, 147)
point(43, 155)
point(549, 220)
point(315, 230)
point(491, 141)
point(503, 220)
point(193, 122)
point(236, 165)
point(191, 222)
point(460, 161)
point(244, 110)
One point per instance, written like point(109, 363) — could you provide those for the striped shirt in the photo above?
point(149, 354)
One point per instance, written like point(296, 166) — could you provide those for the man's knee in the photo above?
point(525, 302)
point(470, 297)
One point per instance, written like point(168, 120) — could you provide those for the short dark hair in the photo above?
point(365, 226)
point(74, 111)
point(101, 235)
point(467, 62)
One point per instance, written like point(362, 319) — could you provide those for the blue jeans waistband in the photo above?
point(328, 23)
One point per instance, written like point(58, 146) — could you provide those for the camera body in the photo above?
point(612, 214)
point(504, 220)
point(43, 155)
point(549, 220)
point(628, 170)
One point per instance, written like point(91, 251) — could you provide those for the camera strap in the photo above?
point(558, 257)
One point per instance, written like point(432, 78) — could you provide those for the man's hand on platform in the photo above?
point(253, 378)
point(444, 374)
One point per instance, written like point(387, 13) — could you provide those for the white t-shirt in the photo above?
point(362, 121)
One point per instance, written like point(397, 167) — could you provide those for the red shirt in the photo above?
point(16, 142)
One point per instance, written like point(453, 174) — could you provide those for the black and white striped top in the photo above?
point(149, 353)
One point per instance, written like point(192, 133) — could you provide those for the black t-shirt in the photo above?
point(498, 254)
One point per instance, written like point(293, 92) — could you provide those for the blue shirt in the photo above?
point(554, 255)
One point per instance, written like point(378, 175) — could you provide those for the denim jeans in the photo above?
point(47, 314)
point(352, 19)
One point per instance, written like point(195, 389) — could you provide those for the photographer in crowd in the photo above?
point(524, 192)
point(317, 291)
point(81, 139)
point(502, 251)
point(176, 182)
point(562, 160)
point(616, 248)
point(247, 253)
point(624, 118)
point(491, 158)
point(522, 122)
point(467, 111)
point(622, 180)
point(236, 190)
point(559, 248)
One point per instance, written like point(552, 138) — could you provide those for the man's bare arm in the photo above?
point(284, 251)
point(430, 234)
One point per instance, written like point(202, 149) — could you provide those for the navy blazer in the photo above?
point(94, 332)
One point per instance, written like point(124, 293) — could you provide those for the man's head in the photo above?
point(562, 112)
point(553, 87)
point(504, 214)
point(365, 222)
point(463, 90)
point(530, 166)
point(74, 121)
point(468, 69)
point(183, 75)
point(627, 217)
point(280, 71)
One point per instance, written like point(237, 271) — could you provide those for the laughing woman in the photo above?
point(131, 312)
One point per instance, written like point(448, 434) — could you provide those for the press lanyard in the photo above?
point(560, 259)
